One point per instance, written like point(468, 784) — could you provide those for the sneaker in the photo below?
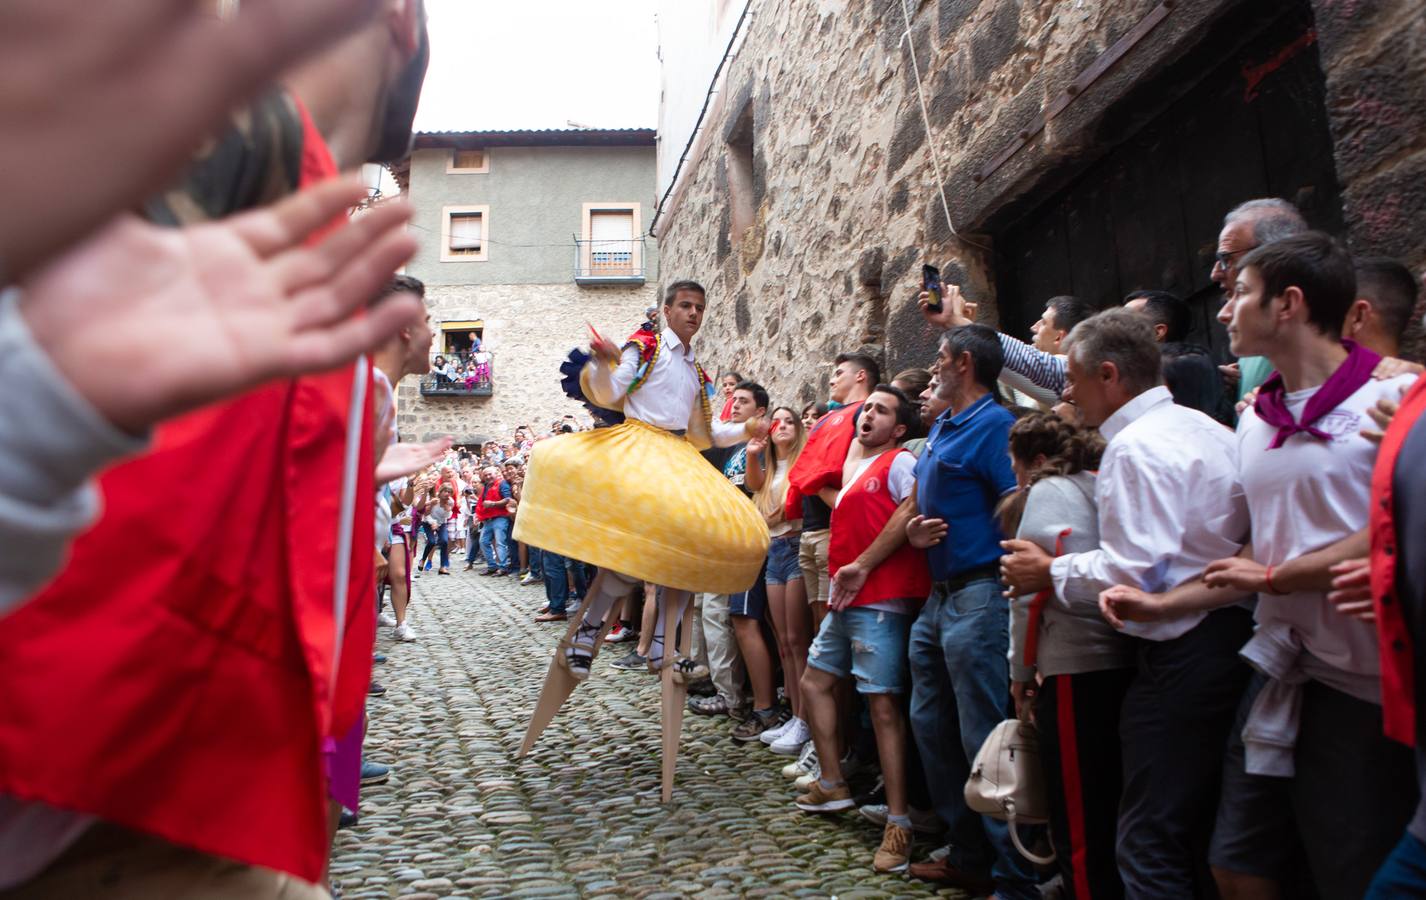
point(374, 773)
point(428, 566)
point(346, 820)
point(820, 799)
point(632, 662)
point(794, 737)
point(894, 854)
point(404, 632)
point(490, 572)
point(375, 690)
point(805, 761)
point(804, 782)
point(378, 658)
point(529, 579)
point(753, 726)
point(703, 687)
point(387, 618)
point(773, 733)
point(922, 821)
point(619, 634)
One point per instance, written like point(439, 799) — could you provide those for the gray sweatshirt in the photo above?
point(51, 442)
point(1071, 640)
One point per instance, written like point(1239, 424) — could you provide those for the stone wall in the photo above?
point(844, 206)
point(529, 328)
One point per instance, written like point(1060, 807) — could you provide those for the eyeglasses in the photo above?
point(1224, 258)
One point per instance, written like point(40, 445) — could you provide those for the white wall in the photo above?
point(693, 34)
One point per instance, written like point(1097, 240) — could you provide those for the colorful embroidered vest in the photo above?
point(650, 344)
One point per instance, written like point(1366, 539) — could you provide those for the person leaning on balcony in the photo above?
point(442, 370)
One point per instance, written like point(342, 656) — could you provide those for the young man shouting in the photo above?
point(867, 637)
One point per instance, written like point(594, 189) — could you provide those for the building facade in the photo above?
point(1079, 148)
point(525, 236)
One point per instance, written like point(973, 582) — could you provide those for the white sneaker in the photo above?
point(404, 632)
point(386, 618)
point(805, 781)
point(775, 732)
point(805, 761)
point(793, 739)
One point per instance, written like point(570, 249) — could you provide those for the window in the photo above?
point(611, 247)
point(465, 233)
point(470, 162)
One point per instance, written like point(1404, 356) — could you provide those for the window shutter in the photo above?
point(466, 232)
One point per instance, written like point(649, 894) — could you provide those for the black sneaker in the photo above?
point(632, 662)
point(375, 690)
point(346, 820)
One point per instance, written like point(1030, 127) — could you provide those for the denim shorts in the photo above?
point(752, 603)
point(869, 644)
point(782, 559)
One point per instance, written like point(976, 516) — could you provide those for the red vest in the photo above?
point(1398, 671)
point(820, 463)
point(857, 519)
point(177, 677)
point(492, 493)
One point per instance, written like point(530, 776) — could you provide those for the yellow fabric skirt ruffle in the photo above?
point(642, 502)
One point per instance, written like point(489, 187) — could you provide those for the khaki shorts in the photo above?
point(812, 556)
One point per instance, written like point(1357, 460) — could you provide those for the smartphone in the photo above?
point(931, 284)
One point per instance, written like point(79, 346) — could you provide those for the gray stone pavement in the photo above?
point(579, 816)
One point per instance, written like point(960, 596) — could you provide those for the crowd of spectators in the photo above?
point(1157, 561)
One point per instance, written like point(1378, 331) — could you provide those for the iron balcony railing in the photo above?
point(609, 261)
point(460, 374)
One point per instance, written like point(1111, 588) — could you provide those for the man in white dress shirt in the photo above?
point(1169, 504)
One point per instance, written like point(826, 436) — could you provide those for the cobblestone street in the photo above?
point(462, 817)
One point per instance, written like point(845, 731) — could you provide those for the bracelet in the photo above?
point(1268, 577)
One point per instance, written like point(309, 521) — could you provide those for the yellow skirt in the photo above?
point(642, 502)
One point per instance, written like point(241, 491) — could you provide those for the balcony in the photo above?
point(609, 261)
point(460, 374)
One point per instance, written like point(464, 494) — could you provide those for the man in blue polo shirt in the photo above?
point(960, 681)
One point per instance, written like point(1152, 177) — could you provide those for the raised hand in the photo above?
point(401, 460)
point(147, 322)
point(74, 69)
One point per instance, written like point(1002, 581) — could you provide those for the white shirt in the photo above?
point(1308, 494)
point(1169, 504)
point(666, 398)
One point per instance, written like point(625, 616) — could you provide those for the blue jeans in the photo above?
point(1403, 875)
point(494, 542)
point(868, 644)
point(960, 690)
point(472, 544)
point(537, 560)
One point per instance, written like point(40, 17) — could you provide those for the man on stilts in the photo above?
point(639, 502)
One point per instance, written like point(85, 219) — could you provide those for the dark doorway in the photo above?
point(1147, 213)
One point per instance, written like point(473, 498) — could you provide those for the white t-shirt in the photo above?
point(1306, 495)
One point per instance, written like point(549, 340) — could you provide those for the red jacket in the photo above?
point(1398, 673)
point(179, 675)
point(820, 463)
point(857, 519)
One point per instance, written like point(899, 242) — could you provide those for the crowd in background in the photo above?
point(1158, 561)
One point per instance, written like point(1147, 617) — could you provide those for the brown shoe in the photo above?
point(894, 854)
point(552, 617)
point(942, 871)
point(820, 799)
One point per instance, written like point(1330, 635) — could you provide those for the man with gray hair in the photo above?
point(1169, 504)
point(1247, 226)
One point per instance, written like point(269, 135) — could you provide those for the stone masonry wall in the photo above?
point(529, 329)
point(845, 207)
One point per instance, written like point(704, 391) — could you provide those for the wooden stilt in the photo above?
point(674, 690)
point(559, 682)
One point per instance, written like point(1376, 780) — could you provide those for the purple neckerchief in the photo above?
point(1271, 405)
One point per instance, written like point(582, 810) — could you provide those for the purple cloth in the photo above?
point(343, 763)
point(1271, 405)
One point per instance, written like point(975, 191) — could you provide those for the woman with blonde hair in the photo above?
point(768, 463)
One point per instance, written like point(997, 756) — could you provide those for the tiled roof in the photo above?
point(531, 137)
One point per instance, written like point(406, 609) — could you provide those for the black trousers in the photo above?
point(1174, 727)
point(1078, 721)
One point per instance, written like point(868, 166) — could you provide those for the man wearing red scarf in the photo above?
point(176, 681)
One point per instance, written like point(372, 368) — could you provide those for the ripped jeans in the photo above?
point(868, 644)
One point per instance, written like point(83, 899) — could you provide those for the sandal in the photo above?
point(708, 706)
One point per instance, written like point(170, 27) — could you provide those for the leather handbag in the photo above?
point(1007, 783)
